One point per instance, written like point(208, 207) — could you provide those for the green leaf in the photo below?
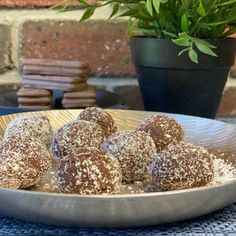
point(227, 3)
point(193, 55)
point(116, 8)
point(156, 4)
point(205, 49)
point(183, 35)
point(184, 50)
point(149, 7)
point(87, 14)
point(59, 4)
point(232, 13)
point(130, 13)
point(172, 35)
point(130, 27)
point(145, 25)
point(219, 22)
point(209, 45)
point(184, 23)
point(82, 1)
point(182, 42)
point(200, 9)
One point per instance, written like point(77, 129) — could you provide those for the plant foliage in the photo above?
point(187, 22)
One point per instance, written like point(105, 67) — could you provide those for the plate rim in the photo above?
point(120, 196)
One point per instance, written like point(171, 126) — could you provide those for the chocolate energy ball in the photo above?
point(37, 126)
point(89, 171)
point(182, 166)
point(134, 150)
point(8, 182)
point(101, 117)
point(163, 130)
point(76, 134)
point(23, 160)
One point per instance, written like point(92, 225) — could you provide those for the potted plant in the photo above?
point(180, 48)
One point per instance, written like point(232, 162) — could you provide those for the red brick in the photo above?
point(34, 3)
point(233, 69)
point(27, 3)
point(104, 45)
point(228, 102)
point(5, 46)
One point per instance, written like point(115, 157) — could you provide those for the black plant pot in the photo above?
point(172, 83)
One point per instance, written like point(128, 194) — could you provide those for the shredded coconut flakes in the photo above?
point(223, 172)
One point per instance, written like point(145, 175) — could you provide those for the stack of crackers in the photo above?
point(41, 76)
point(79, 99)
point(40, 99)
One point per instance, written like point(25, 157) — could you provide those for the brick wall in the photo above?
point(103, 45)
point(27, 3)
point(29, 29)
point(233, 69)
point(44, 33)
point(5, 46)
point(33, 3)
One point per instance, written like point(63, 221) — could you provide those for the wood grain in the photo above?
point(124, 119)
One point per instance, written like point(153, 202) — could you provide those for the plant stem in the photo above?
point(159, 30)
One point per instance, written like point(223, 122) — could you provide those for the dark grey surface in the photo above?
point(220, 223)
point(8, 100)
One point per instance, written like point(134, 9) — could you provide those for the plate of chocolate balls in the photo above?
point(114, 168)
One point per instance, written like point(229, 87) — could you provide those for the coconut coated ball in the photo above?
point(101, 117)
point(182, 166)
point(23, 160)
point(37, 126)
point(134, 150)
point(163, 130)
point(76, 134)
point(88, 171)
point(9, 182)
